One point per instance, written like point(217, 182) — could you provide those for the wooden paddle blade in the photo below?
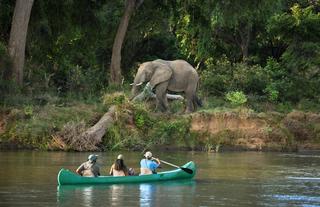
point(187, 170)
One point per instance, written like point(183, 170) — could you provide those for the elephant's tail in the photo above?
point(197, 100)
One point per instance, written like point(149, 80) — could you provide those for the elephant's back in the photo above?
point(182, 65)
point(183, 75)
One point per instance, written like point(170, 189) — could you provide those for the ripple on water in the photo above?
point(297, 198)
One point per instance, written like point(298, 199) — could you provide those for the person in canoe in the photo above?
point(89, 168)
point(149, 164)
point(119, 168)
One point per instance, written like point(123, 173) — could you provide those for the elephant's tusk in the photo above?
point(138, 84)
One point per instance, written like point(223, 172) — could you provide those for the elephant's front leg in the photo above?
point(161, 95)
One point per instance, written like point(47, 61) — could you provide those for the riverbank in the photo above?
point(139, 127)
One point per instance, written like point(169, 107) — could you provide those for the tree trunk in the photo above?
point(245, 38)
point(96, 132)
point(18, 36)
point(115, 68)
point(76, 137)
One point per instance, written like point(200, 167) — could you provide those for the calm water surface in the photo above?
point(223, 179)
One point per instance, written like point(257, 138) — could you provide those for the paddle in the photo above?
point(187, 170)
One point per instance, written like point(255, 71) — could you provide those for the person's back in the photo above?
point(119, 168)
point(89, 168)
point(115, 172)
point(148, 165)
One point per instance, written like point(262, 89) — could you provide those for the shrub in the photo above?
point(223, 76)
point(272, 93)
point(236, 98)
point(142, 119)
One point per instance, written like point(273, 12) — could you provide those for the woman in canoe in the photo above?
point(149, 164)
point(89, 168)
point(119, 168)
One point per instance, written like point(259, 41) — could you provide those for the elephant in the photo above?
point(163, 76)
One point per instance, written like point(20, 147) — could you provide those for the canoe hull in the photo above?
point(66, 177)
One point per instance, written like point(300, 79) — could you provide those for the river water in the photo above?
point(28, 178)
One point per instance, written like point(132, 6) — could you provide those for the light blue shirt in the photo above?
point(145, 163)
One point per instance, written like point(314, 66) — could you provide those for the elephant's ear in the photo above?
point(162, 72)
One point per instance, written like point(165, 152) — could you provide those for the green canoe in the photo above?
point(66, 177)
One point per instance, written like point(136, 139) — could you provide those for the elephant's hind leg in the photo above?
point(191, 107)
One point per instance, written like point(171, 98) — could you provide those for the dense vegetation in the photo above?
point(265, 54)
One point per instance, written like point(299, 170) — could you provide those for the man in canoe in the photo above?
point(89, 168)
point(149, 164)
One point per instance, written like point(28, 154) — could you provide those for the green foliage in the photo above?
point(33, 125)
point(116, 98)
point(5, 62)
point(236, 98)
point(298, 31)
point(28, 111)
point(172, 131)
point(142, 118)
point(7, 86)
point(191, 29)
point(146, 130)
point(272, 93)
point(234, 23)
point(224, 76)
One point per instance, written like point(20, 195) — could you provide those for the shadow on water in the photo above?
point(145, 194)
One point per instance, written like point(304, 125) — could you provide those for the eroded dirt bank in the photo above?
point(135, 129)
point(258, 131)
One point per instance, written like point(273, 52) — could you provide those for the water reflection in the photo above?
point(68, 195)
point(147, 191)
point(117, 195)
point(144, 195)
point(169, 193)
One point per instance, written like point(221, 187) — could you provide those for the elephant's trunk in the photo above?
point(138, 81)
point(134, 90)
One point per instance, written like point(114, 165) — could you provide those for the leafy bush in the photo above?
point(142, 118)
point(236, 98)
point(224, 76)
point(272, 93)
point(164, 131)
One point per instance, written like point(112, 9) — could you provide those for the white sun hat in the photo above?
point(148, 154)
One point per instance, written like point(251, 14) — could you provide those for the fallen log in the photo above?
point(75, 137)
point(147, 93)
point(96, 132)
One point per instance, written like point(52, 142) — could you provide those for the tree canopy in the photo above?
point(269, 49)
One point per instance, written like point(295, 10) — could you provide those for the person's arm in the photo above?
point(154, 164)
point(111, 170)
point(99, 171)
point(80, 169)
point(157, 161)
